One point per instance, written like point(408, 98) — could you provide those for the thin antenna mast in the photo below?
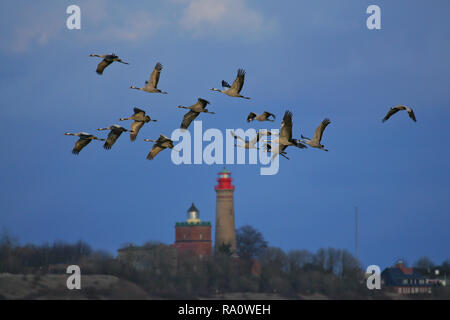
point(356, 234)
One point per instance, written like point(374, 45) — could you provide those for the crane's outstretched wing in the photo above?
point(225, 84)
point(286, 126)
point(154, 77)
point(391, 112)
point(138, 111)
point(102, 65)
point(268, 114)
point(411, 114)
point(188, 118)
point(203, 102)
point(135, 127)
point(239, 81)
point(157, 148)
point(251, 116)
point(80, 144)
point(112, 138)
point(319, 130)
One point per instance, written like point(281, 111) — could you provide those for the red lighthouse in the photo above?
point(225, 226)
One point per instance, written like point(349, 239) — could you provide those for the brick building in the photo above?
point(405, 280)
point(193, 235)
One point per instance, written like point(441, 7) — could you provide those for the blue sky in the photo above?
point(315, 58)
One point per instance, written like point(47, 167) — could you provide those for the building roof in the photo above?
point(395, 276)
point(193, 208)
point(189, 224)
point(224, 171)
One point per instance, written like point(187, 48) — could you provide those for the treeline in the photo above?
point(331, 272)
point(54, 258)
point(162, 272)
point(21, 259)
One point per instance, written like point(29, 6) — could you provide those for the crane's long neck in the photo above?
point(133, 87)
point(277, 140)
point(122, 119)
point(215, 89)
point(71, 134)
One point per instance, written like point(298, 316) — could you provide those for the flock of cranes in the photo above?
point(284, 140)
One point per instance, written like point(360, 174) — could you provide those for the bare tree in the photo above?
point(298, 259)
point(250, 242)
point(424, 263)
